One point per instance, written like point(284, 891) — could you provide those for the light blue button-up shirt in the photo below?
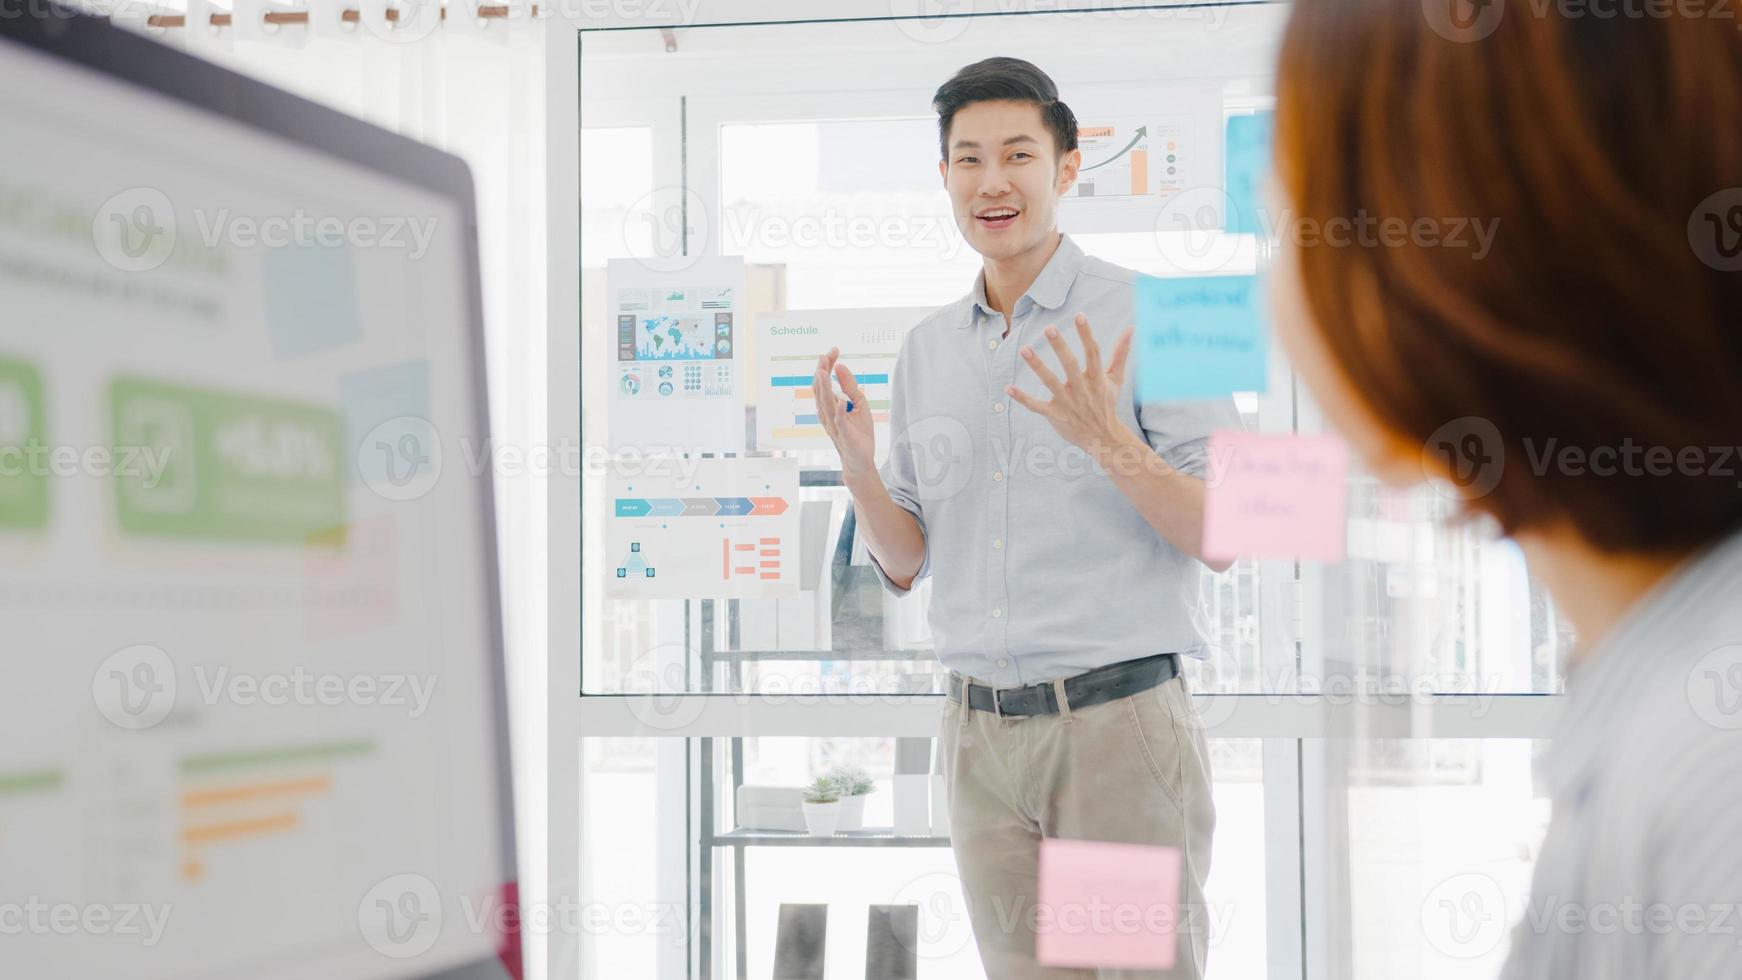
point(1040, 566)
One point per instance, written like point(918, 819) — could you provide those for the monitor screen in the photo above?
point(250, 658)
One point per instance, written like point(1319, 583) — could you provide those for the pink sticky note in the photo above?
point(1107, 905)
point(1271, 496)
point(352, 587)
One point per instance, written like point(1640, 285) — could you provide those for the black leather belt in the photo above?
point(1092, 687)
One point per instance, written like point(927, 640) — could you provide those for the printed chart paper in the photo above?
point(704, 529)
point(787, 346)
point(677, 381)
point(1141, 150)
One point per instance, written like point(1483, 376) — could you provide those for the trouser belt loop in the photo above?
point(1058, 688)
point(967, 707)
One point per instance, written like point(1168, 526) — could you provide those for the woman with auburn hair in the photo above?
point(1579, 381)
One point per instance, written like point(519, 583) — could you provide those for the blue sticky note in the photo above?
point(1246, 159)
point(1199, 337)
point(311, 299)
point(397, 392)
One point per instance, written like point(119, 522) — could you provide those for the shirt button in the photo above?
point(1003, 663)
point(991, 345)
point(997, 406)
point(997, 612)
point(997, 544)
point(998, 477)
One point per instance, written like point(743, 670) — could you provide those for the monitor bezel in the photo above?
point(94, 44)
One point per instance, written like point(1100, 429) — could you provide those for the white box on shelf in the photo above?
point(912, 807)
point(770, 808)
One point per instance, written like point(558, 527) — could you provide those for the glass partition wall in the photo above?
point(1371, 721)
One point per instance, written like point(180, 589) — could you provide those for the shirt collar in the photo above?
point(1656, 632)
point(1049, 289)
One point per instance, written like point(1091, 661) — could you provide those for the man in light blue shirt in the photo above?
point(1061, 523)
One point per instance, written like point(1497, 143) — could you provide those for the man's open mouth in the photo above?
point(997, 217)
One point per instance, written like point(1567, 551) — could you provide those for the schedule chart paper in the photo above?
point(788, 343)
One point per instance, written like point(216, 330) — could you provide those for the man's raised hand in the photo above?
point(1084, 404)
point(851, 431)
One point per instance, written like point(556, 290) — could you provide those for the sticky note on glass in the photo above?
point(1246, 163)
point(1199, 337)
point(1107, 905)
point(1276, 496)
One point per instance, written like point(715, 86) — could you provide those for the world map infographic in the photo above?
point(682, 338)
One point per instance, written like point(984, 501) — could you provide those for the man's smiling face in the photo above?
point(1004, 176)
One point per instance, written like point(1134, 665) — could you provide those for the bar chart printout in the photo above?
point(788, 343)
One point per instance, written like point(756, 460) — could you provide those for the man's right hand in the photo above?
point(852, 432)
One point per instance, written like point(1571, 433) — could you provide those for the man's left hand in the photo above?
point(1084, 404)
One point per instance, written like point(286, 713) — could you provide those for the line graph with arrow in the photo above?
point(1115, 160)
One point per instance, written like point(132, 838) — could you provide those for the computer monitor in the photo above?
point(251, 677)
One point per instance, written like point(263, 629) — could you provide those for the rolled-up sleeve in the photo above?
point(1179, 432)
point(899, 472)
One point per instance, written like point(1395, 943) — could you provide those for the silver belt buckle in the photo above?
point(998, 705)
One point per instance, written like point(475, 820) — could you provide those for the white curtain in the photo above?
point(475, 89)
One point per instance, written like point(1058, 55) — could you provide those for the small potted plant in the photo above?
point(822, 807)
point(853, 784)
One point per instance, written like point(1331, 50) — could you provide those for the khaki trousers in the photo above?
point(1135, 770)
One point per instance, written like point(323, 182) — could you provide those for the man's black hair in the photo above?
point(1005, 80)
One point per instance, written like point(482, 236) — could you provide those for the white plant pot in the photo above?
point(852, 812)
point(820, 818)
